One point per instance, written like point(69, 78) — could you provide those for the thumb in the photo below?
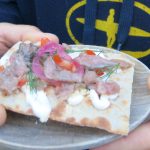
point(3, 115)
point(37, 35)
point(11, 33)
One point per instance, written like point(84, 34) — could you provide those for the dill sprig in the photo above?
point(111, 70)
point(32, 81)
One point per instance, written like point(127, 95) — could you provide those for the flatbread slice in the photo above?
point(114, 119)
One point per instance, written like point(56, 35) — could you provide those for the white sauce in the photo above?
point(113, 97)
point(39, 102)
point(76, 98)
point(99, 103)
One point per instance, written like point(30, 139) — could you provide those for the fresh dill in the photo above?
point(32, 82)
point(111, 70)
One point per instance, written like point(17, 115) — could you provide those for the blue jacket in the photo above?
point(68, 20)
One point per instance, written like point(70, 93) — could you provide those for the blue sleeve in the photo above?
point(9, 12)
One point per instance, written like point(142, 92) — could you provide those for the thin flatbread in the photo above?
point(114, 119)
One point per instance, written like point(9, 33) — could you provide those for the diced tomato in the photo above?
point(99, 72)
point(90, 52)
point(44, 41)
point(1, 68)
point(65, 64)
point(21, 82)
point(57, 59)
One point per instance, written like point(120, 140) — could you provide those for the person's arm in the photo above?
point(9, 12)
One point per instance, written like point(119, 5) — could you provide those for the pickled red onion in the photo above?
point(37, 68)
point(53, 48)
point(39, 72)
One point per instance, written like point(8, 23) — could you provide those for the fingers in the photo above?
point(36, 36)
point(3, 115)
point(11, 34)
point(137, 140)
point(3, 48)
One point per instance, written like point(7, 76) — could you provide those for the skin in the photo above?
point(3, 115)
point(137, 140)
point(10, 34)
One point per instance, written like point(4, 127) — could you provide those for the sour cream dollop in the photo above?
point(76, 98)
point(39, 102)
point(99, 103)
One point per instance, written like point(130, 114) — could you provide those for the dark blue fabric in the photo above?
point(51, 15)
point(9, 11)
point(125, 20)
point(90, 17)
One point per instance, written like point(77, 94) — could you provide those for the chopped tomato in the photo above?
point(65, 64)
point(21, 82)
point(99, 72)
point(44, 41)
point(90, 52)
point(1, 68)
point(57, 59)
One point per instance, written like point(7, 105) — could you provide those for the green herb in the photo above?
point(111, 70)
point(32, 81)
point(99, 52)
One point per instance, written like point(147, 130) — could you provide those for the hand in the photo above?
point(3, 115)
point(11, 34)
point(136, 140)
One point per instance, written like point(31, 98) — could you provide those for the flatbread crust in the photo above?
point(114, 119)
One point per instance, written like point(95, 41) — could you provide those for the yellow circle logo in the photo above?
point(109, 26)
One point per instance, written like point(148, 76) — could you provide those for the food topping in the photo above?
point(65, 64)
point(94, 61)
point(52, 65)
point(107, 88)
point(123, 64)
point(21, 82)
point(39, 102)
point(44, 41)
point(98, 102)
point(75, 98)
point(1, 68)
point(90, 52)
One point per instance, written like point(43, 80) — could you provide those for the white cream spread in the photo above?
point(99, 103)
point(113, 96)
point(76, 98)
point(39, 102)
